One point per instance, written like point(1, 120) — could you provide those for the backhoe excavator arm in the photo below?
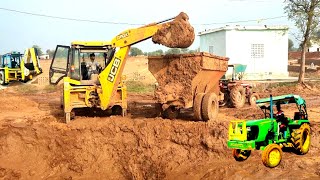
point(111, 75)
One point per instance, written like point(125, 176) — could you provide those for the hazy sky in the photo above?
point(20, 31)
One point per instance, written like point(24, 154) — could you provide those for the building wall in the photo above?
point(217, 40)
point(268, 60)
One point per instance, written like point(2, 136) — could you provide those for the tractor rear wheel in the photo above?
point(301, 139)
point(209, 106)
point(171, 112)
point(2, 78)
point(241, 155)
point(253, 98)
point(238, 96)
point(271, 156)
point(197, 106)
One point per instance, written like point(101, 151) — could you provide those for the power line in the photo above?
point(242, 21)
point(124, 23)
point(66, 18)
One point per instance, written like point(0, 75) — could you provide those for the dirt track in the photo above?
point(34, 144)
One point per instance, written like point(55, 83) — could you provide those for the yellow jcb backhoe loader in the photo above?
point(15, 66)
point(104, 90)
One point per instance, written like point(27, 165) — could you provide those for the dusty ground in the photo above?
point(34, 144)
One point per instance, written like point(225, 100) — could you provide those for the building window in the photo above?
point(257, 50)
point(211, 49)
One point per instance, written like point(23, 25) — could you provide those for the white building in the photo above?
point(44, 56)
point(264, 49)
point(314, 47)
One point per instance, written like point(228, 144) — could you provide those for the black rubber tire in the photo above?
point(209, 106)
point(67, 117)
point(158, 109)
point(171, 112)
point(301, 139)
point(241, 155)
point(2, 78)
point(253, 98)
point(225, 101)
point(116, 110)
point(267, 152)
point(238, 96)
point(197, 106)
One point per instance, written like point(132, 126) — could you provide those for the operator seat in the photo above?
point(84, 71)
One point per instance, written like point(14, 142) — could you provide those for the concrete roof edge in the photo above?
point(243, 28)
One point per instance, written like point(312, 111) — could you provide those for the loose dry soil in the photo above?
point(34, 144)
point(175, 34)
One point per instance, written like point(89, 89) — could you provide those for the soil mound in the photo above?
point(176, 34)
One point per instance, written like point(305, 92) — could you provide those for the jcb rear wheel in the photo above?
point(253, 98)
point(238, 96)
point(301, 139)
point(241, 155)
point(271, 156)
point(210, 106)
point(197, 106)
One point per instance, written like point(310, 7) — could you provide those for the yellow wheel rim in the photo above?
point(274, 157)
point(306, 143)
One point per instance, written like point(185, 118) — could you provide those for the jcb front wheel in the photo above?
point(301, 139)
point(272, 155)
point(241, 155)
point(67, 117)
point(2, 78)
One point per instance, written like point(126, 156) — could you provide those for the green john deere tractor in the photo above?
point(269, 134)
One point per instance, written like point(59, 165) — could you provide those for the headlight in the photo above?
point(249, 128)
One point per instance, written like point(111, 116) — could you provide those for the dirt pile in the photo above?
point(174, 74)
point(180, 76)
point(116, 149)
point(176, 34)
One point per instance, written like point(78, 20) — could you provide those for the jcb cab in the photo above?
point(81, 87)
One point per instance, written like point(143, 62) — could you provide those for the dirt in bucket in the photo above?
point(178, 34)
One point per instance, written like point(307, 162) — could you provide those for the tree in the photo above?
point(173, 51)
point(134, 51)
point(290, 45)
point(158, 52)
point(50, 52)
point(38, 49)
point(305, 14)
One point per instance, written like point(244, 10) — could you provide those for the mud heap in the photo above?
point(178, 34)
point(179, 75)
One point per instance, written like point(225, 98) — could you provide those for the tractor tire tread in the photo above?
point(234, 96)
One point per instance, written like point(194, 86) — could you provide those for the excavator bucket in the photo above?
point(175, 34)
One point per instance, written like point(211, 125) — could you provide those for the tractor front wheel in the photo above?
point(241, 155)
point(271, 156)
point(238, 96)
point(301, 139)
point(253, 98)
